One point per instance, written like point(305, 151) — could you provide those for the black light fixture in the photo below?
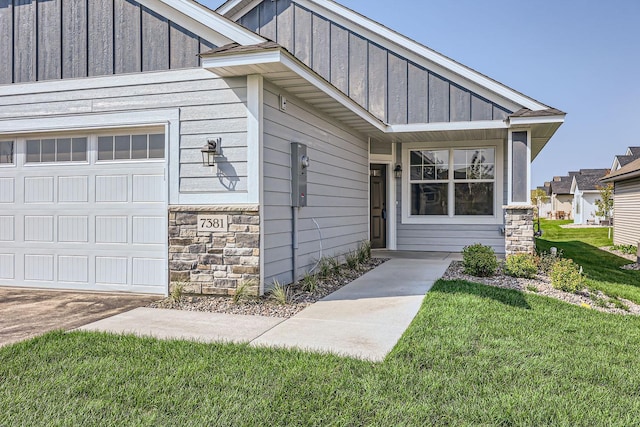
point(210, 150)
point(398, 171)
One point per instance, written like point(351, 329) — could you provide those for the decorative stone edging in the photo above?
point(214, 263)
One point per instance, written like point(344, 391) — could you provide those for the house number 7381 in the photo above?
point(212, 223)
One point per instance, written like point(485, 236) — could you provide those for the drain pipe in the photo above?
point(294, 242)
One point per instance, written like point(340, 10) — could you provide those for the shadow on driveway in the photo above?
point(26, 313)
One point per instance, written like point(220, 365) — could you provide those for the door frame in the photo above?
point(392, 203)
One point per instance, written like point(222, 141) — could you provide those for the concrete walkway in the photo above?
point(364, 319)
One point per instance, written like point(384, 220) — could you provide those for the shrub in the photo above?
point(565, 276)
point(177, 290)
point(280, 293)
point(546, 261)
point(309, 283)
point(521, 265)
point(479, 260)
point(626, 249)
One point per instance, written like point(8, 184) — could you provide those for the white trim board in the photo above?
point(203, 22)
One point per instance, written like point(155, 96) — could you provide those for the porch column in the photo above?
point(519, 211)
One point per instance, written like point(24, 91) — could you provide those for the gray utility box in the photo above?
point(299, 170)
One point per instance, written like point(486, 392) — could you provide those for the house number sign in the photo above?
point(212, 223)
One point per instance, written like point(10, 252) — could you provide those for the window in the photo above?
point(6, 152)
point(131, 147)
point(57, 150)
point(454, 182)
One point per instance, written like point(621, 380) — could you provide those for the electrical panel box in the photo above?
point(299, 171)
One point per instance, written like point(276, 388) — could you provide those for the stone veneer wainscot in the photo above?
point(518, 230)
point(214, 263)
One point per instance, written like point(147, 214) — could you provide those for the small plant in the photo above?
point(600, 302)
point(309, 283)
point(479, 260)
point(364, 252)
point(521, 265)
point(565, 276)
point(619, 304)
point(626, 249)
point(352, 260)
point(335, 265)
point(324, 267)
point(546, 260)
point(532, 288)
point(177, 291)
point(280, 293)
point(243, 291)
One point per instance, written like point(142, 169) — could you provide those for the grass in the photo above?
point(474, 355)
point(601, 268)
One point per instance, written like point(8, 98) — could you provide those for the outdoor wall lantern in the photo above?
point(210, 151)
point(398, 171)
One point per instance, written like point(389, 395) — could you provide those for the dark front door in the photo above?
point(378, 194)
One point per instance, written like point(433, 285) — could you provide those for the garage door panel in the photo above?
point(73, 229)
point(145, 230)
point(38, 228)
point(73, 269)
point(111, 270)
point(148, 271)
point(38, 189)
point(73, 189)
point(38, 267)
point(7, 266)
point(7, 190)
point(148, 188)
point(111, 229)
point(7, 228)
point(110, 189)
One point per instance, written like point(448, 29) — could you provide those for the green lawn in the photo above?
point(474, 355)
point(601, 268)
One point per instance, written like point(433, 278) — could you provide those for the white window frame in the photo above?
point(451, 218)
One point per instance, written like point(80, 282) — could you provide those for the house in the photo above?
point(626, 203)
point(159, 141)
point(585, 188)
point(633, 153)
point(561, 199)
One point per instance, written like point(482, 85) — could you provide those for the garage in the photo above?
point(84, 211)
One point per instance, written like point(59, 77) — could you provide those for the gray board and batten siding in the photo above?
point(338, 187)
point(61, 39)
point(626, 208)
point(391, 87)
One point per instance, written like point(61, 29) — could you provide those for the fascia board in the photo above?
point(528, 121)
point(448, 126)
point(235, 60)
point(424, 52)
point(204, 22)
point(622, 177)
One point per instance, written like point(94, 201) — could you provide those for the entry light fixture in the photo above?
point(398, 171)
point(210, 151)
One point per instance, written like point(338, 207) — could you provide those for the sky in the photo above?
point(580, 56)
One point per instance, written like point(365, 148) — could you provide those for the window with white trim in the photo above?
point(131, 147)
point(56, 150)
point(452, 182)
point(6, 152)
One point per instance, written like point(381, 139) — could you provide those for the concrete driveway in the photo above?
point(25, 313)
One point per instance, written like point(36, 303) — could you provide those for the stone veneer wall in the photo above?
point(518, 230)
point(214, 263)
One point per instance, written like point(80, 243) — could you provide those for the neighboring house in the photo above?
point(158, 141)
point(626, 205)
point(561, 199)
point(585, 189)
point(633, 153)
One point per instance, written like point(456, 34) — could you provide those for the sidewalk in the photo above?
point(364, 319)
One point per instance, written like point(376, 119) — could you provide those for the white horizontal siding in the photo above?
point(338, 187)
point(209, 106)
point(626, 222)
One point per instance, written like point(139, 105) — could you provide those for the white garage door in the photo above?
point(84, 212)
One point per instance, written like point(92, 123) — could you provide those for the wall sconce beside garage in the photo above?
point(210, 151)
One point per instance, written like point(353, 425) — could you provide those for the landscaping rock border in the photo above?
point(264, 306)
point(542, 286)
